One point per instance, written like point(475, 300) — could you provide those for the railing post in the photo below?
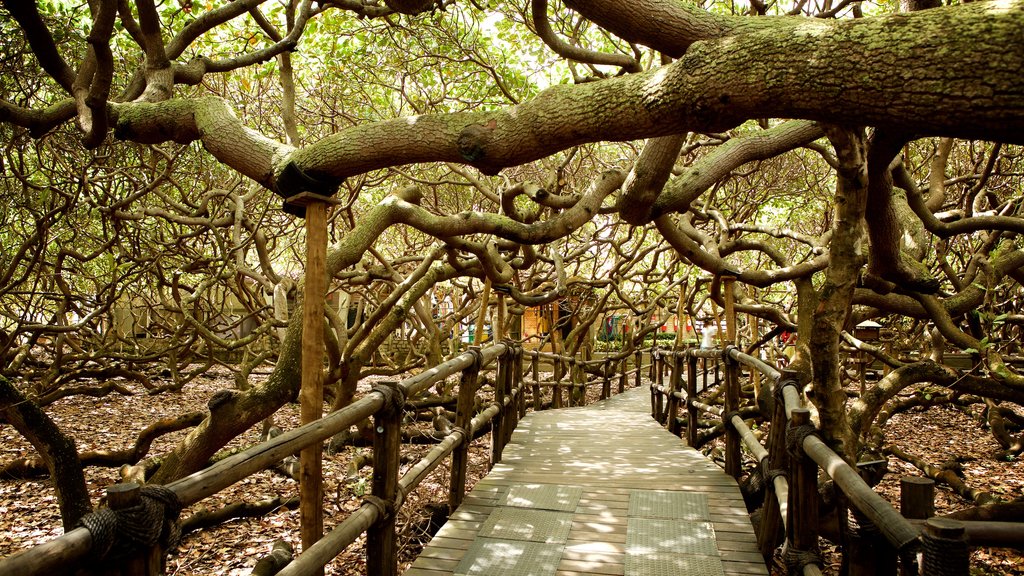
point(732, 406)
point(463, 420)
point(659, 382)
point(517, 382)
point(945, 550)
point(143, 562)
point(606, 384)
point(556, 390)
point(575, 398)
point(917, 497)
point(538, 399)
point(622, 375)
point(675, 385)
point(691, 395)
point(778, 462)
point(639, 359)
point(502, 419)
point(381, 541)
point(801, 530)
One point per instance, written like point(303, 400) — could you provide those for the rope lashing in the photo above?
point(795, 436)
point(774, 473)
point(394, 396)
point(478, 359)
point(384, 508)
point(154, 520)
point(945, 550)
point(795, 560)
point(727, 418)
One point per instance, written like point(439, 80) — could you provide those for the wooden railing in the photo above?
point(76, 549)
point(880, 537)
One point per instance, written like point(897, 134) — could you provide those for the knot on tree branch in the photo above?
point(152, 520)
point(795, 436)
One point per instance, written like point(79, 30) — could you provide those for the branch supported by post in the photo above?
point(311, 395)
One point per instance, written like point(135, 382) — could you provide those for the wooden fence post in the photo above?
point(945, 550)
point(639, 358)
point(778, 462)
point(623, 365)
point(801, 530)
point(732, 406)
point(381, 540)
point(502, 391)
point(538, 399)
point(517, 382)
point(658, 412)
point(142, 562)
point(556, 390)
point(675, 385)
point(606, 384)
point(691, 395)
point(917, 497)
point(463, 419)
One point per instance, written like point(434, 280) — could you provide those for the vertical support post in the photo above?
point(520, 386)
point(463, 420)
point(623, 365)
point(945, 548)
point(675, 385)
point(801, 531)
point(606, 384)
point(538, 399)
point(501, 419)
point(639, 359)
point(732, 406)
point(556, 391)
point(381, 539)
point(917, 497)
point(311, 394)
point(575, 396)
point(657, 403)
point(772, 517)
point(691, 395)
point(143, 562)
point(729, 285)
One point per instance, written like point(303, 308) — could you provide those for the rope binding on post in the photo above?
point(384, 509)
point(795, 436)
point(153, 520)
point(394, 396)
point(795, 560)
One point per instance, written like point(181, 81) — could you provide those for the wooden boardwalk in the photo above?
point(597, 490)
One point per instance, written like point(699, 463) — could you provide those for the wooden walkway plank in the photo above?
point(604, 454)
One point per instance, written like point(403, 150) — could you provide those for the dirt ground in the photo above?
point(29, 514)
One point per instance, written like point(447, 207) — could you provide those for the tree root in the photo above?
point(206, 518)
point(35, 467)
point(945, 475)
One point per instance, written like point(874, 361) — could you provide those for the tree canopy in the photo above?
point(843, 161)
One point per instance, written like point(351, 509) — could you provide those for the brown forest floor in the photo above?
point(29, 515)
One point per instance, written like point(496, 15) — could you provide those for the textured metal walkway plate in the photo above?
point(543, 497)
point(492, 557)
point(668, 504)
point(524, 524)
point(667, 564)
point(649, 535)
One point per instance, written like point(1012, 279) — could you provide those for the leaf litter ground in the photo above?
point(29, 515)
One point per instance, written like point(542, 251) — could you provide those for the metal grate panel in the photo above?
point(543, 497)
point(493, 557)
point(669, 504)
point(525, 524)
point(649, 535)
point(668, 564)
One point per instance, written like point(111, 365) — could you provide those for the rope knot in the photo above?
point(384, 508)
point(795, 436)
point(394, 396)
point(795, 559)
point(152, 520)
